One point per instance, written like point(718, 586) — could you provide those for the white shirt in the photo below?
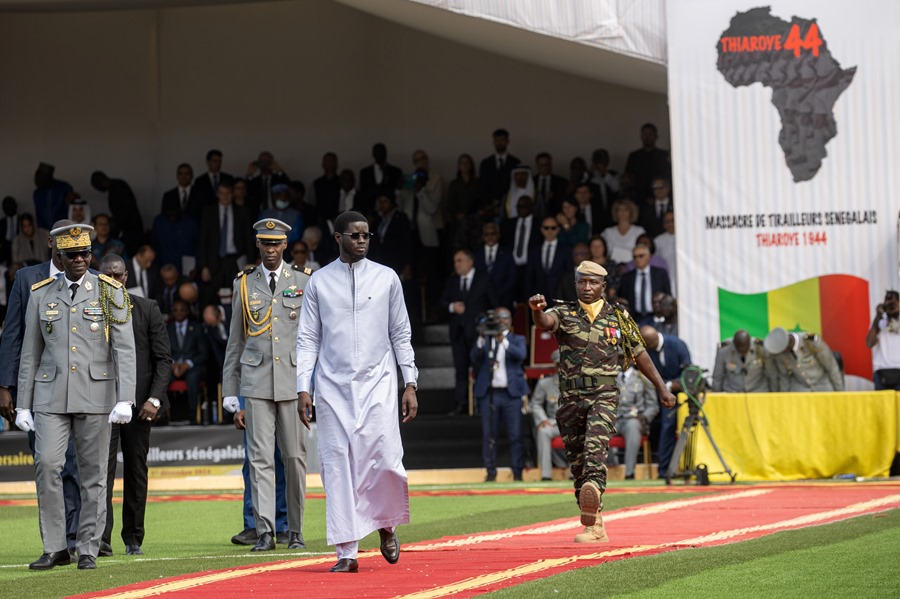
point(53, 270)
point(184, 194)
point(665, 249)
point(379, 173)
point(499, 378)
point(230, 248)
point(466, 280)
point(886, 353)
point(620, 245)
point(522, 230)
point(140, 275)
point(345, 203)
point(267, 272)
point(490, 254)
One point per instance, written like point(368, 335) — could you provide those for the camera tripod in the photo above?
point(694, 386)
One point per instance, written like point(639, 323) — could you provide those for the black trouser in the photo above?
point(135, 437)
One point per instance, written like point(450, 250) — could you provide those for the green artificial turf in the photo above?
point(859, 555)
point(857, 558)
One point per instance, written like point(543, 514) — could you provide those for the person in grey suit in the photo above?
point(544, 403)
point(636, 409)
point(801, 362)
point(78, 365)
point(153, 354)
point(261, 366)
point(741, 365)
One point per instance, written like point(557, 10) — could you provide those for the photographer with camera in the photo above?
point(883, 339)
point(740, 365)
point(500, 385)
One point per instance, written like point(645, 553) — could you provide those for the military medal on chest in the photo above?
point(51, 312)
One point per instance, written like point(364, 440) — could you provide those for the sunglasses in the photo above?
point(549, 228)
point(83, 254)
point(299, 252)
point(355, 236)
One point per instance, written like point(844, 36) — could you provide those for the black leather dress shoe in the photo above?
point(281, 538)
point(51, 560)
point(133, 550)
point(247, 536)
point(491, 477)
point(105, 549)
point(390, 545)
point(296, 541)
point(265, 542)
point(345, 565)
point(87, 562)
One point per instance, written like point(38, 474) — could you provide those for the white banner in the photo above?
point(785, 143)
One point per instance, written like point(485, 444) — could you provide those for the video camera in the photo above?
point(694, 385)
point(488, 324)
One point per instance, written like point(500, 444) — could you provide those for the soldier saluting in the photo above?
point(741, 365)
point(78, 342)
point(261, 365)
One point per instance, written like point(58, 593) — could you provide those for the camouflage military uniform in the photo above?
point(591, 356)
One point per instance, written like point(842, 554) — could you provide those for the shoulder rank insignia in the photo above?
point(110, 281)
point(303, 269)
point(40, 284)
point(244, 272)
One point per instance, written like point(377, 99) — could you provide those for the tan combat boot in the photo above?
point(589, 503)
point(593, 534)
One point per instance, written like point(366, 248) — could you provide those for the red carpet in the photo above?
point(471, 565)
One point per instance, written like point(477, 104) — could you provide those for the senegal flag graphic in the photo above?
point(833, 306)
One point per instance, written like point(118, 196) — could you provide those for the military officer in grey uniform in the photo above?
point(77, 375)
point(261, 365)
point(741, 365)
point(635, 411)
point(801, 362)
point(544, 403)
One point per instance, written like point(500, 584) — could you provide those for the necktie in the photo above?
point(272, 281)
point(215, 182)
point(184, 199)
point(544, 187)
point(223, 234)
point(463, 284)
point(144, 284)
point(642, 282)
point(74, 288)
point(180, 331)
point(660, 208)
point(500, 162)
point(490, 258)
point(520, 243)
point(547, 260)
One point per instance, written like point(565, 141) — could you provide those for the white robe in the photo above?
point(354, 330)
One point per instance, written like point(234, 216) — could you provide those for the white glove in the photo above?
point(231, 404)
point(121, 414)
point(24, 420)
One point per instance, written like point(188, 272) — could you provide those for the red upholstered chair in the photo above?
point(542, 345)
point(618, 441)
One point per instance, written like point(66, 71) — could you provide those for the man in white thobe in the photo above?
point(354, 331)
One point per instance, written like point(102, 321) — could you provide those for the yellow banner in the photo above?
point(790, 436)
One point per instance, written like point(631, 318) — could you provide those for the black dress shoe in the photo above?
point(265, 542)
point(133, 550)
point(296, 541)
point(390, 545)
point(629, 477)
point(87, 562)
point(491, 477)
point(247, 536)
point(105, 549)
point(517, 477)
point(345, 565)
point(281, 538)
point(51, 560)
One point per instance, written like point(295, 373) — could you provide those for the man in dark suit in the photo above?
point(376, 178)
point(669, 355)
point(11, 351)
point(468, 294)
point(188, 353)
point(223, 239)
point(520, 235)
point(185, 193)
point(653, 210)
point(590, 209)
point(143, 274)
point(170, 281)
point(549, 188)
point(326, 190)
point(262, 174)
point(497, 261)
point(548, 261)
point(9, 228)
point(152, 351)
point(494, 171)
point(124, 209)
point(638, 286)
point(205, 185)
point(647, 162)
point(500, 384)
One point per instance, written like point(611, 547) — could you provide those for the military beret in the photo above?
point(591, 268)
point(776, 341)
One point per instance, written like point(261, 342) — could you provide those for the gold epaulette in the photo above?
point(724, 343)
point(110, 281)
point(245, 272)
point(40, 284)
point(303, 269)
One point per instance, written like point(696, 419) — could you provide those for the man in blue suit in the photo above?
point(498, 263)
point(499, 387)
point(670, 355)
point(11, 354)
